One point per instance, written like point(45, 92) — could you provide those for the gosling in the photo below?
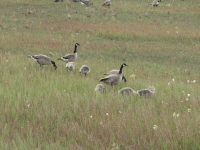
point(127, 91)
point(70, 66)
point(84, 70)
point(100, 87)
point(148, 92)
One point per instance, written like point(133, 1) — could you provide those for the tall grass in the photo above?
point(43, 108)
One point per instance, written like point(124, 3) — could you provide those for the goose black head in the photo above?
point(77, 44)
point(124, 64)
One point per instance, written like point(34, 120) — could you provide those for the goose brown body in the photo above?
point(107, 3)
point(43, 60)
point(114, 79)
point(115, 71)
point(70, 57)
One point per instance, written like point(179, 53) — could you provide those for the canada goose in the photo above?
point(101, 88)
point(147, 92)
point(86, 2)
point(127, 91)
point(75, 0)
point(107, 3)
point(43, 60)
point(155, 3)
point(115, 71)
point(70, 66)
point(70, 57)
point(114, 79)
point(84, 70)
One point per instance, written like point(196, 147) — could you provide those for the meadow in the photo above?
point(43, 108)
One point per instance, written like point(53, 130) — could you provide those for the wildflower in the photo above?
point(155, 127)
point(194, 81)
point(91, 116)
point(187, 99)
point(188, 95)
point(25, 68)
point(188, 81)
point(189, 110)
point(132, 76)
point(173, 79)
point(175, 115)
point(107, 114)
point(169, 83)
point(120, 112)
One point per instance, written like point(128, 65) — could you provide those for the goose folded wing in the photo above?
point(68, 56)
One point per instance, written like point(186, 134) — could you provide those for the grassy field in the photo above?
point(43, 108)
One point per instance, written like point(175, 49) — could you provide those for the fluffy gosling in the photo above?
point(100, 87)
point(127, 91)
point(70, 66)
point(84, 70)
point(148, 92)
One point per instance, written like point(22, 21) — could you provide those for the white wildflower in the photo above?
point(175, 115)
point(194, 81)
point(155, 127)
point(189, 110)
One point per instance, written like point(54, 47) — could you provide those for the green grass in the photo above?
point(43, 108)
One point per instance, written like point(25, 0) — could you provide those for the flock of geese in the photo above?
point(112, 78)
point(106, 3)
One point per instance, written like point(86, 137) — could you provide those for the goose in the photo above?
point(75, 0)
point(114, 79)
point(107, 3)
point(84, 70)
point(100, 87)
point(127, 91)
point(155, 3)
point(70, 66)
point(86, 2)
point(115, 71)
point(70, 57)
point(43, 60)
point(148, 92)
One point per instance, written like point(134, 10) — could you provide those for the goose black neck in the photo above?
point(75, 48)
point(120, 71)
point(54, 64)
